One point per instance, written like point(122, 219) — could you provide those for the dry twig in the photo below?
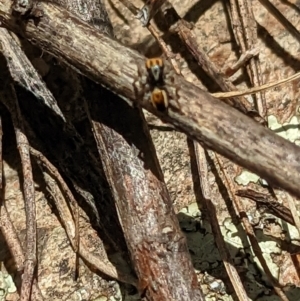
point(9, 232)
point(224, 253)
point(244, 28)
point(293, 209)
point(273, 206)
point(14, 245)
point(249, 230)
point(186, 36)
point(258, 88)
point(68, 222)
point(11, 102)
point(180, 26)
point(243, 59)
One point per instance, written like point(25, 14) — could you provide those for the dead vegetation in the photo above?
point(80, 144)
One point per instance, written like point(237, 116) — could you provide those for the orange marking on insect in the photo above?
point(159, 99)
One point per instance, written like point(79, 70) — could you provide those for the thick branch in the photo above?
point(192, 110)
point(158, 248)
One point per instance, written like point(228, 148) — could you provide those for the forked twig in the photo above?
point(243, 59)
point(201, 57)
point(186, 36)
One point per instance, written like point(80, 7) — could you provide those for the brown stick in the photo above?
point(9, 232)
point(249, 230)
point(202, 165)
point(14, 245)
point(11, 102)
point(246, 35)
point(68, 222)
point(211, 69)
point(158, 248)
point(269, 202)
point(200, 116)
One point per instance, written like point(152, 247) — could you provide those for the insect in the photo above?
point(159, 99)
point(155, 68)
